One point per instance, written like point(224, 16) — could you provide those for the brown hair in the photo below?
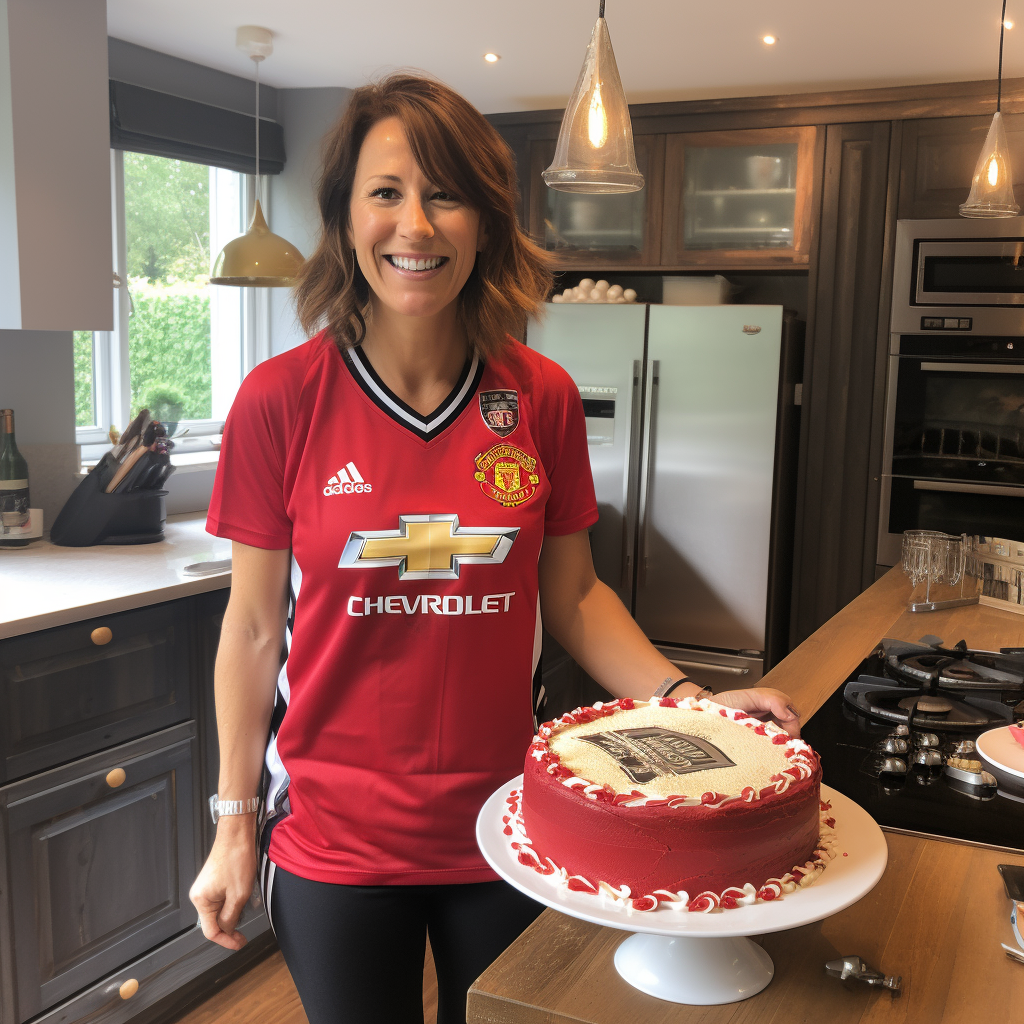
point(458, 150)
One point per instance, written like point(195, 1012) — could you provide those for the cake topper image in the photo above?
point(649, 753)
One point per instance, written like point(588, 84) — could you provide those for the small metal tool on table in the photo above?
point(853, 967)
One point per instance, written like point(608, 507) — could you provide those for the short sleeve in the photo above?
point(572, 505)
point(248, 501)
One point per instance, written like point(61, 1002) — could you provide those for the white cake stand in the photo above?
point(702, 959)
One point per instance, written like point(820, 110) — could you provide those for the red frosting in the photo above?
point(695, 848)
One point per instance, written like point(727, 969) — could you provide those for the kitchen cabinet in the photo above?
point(109, 750)
point(939, 155)
point(738, 198)
point(584, 230)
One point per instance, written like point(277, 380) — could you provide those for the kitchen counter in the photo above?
point(937, 917)
point(44, 585)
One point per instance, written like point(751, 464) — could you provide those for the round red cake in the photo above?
point(672, 801)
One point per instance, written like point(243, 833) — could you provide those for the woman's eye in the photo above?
point(384, 192)
point(444, 197)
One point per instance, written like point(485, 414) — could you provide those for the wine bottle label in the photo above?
point(13, 504)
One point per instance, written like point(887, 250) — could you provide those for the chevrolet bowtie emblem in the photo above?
point(430, 547)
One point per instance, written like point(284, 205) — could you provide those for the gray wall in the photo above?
point(37, 381)
point(306, 114)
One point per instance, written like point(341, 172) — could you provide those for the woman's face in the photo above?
point(415, 242)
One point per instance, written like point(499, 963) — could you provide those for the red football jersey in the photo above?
point(414, 629)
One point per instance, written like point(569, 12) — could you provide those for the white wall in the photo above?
point(306, 115)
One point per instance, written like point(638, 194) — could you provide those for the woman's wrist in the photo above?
point(682, 687)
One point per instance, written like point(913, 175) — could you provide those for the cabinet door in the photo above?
point(738, 198)
point(607, 231)
point(72, 690)
point(100, 861)
point(938, 159)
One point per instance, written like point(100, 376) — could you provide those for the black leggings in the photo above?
point(355, 952)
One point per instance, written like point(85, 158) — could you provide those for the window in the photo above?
point(179, 346)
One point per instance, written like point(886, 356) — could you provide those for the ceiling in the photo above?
point(666, 49)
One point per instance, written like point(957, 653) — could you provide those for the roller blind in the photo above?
point(146, 121)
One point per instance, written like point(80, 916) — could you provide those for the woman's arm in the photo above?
point(592, 624)
point(245, 678)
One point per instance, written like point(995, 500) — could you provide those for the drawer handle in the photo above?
point(129, 988)
point(101, 635)
point(115, 777)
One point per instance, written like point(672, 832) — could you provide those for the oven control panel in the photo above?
point(946, 323)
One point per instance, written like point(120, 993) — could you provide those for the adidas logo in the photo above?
point(347, 481)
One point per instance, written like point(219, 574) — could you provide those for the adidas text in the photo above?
point(347, 481)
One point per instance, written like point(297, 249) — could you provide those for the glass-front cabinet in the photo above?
point(607, 230)
point(738, 197)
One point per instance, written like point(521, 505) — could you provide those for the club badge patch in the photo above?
point(500, 411)
point(507, 474)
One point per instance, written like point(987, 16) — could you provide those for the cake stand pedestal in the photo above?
point(695, 958)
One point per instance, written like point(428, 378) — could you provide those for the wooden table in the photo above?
point(937, 917)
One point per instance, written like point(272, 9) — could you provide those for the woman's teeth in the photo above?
point(404, 263)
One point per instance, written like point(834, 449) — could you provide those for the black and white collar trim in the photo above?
point(424, 427)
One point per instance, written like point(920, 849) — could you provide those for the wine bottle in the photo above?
point(13, 484)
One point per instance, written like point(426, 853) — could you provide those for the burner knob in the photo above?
point(926, 739)
point(901, 730)
point(928, 758)
point(963, 748)
point(895, 745)
point(893, 766)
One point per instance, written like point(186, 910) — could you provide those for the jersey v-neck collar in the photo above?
point(426, 428)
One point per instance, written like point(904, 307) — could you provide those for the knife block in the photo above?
point(91, 516)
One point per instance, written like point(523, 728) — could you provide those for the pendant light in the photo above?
point(594, 152)
point(259, 258)
point(992, 187)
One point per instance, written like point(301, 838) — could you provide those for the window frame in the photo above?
point(111, 370)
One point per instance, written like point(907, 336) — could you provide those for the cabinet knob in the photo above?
point(114, 779)
point(129, 988)
point(101, 635)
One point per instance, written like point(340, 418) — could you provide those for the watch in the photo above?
point(221, 808)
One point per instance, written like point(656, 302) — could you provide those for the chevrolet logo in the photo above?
point(432, 547)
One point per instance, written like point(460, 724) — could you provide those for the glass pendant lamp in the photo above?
point(259, 258)
point(992, 186)
point(594, 152)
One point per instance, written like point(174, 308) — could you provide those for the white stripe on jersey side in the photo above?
point(268, 893)
point(399, 411)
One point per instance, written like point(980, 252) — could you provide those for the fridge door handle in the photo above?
point(704, 666)
point(648, 468)
point(629, 500)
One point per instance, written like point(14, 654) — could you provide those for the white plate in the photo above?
point(999, 747)
point(861, 855)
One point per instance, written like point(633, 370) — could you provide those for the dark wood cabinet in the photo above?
point(939, 155)
point(70, 691)
point(102, 851)
point(738, 198)
point(605, 231)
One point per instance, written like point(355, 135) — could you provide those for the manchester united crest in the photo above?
point(500, 411)
point(507, 474)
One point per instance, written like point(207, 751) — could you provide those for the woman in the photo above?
point(405, 493)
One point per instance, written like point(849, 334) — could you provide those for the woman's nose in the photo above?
point(415, 223)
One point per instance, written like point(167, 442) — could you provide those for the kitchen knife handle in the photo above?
point(648, 470)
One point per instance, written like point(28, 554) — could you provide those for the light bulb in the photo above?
point(492, 58)
point(1008, 23)
point(993, 172)
point(597, 122)
point(768, 40)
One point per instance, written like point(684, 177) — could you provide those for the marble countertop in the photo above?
point(44, 585)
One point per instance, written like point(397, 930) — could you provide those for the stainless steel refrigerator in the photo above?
point(692, 432)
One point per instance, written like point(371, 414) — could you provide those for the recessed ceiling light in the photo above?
point(768, 40)
point(492, 58)
point(1008, 23)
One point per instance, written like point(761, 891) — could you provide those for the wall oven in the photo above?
point(954, 428)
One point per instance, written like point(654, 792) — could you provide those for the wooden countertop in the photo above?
point(937, 917)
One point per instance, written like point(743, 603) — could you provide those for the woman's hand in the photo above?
point(225, 883)
point(763, 702)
